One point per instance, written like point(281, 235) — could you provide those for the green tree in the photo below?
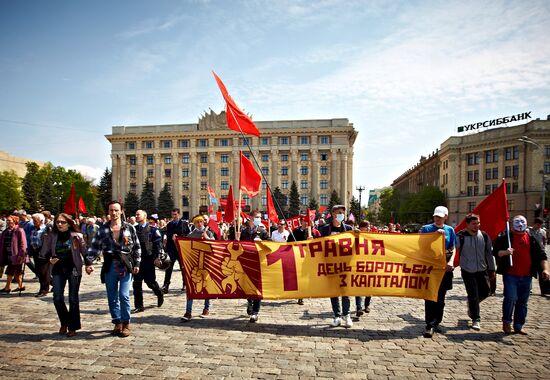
point(166, 202)
point(355, 208)
point(99, 210)
point(419, 207)
point(47, 199)
point(334, 200)
point(313, 205)
point(389, 204)
point(11, 196)
point(131, 203)
point(105, 188)
point(31, 187)
point(294, 200)
point(147, 201)
point(281, 199)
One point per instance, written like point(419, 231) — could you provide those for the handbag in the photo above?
point(164, 261)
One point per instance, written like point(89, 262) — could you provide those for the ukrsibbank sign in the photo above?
point(494, 122)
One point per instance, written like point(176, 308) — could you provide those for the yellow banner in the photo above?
point(346, 264)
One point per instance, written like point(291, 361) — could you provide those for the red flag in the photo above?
point(212, 193)
point(229, 216)
point(210, 209)
point(81, 206)
point(493, 215)
point(213, 226)
point(237, 120)
point(70, 205)
point(250, 179)
point(218, 216)
point(271, 212)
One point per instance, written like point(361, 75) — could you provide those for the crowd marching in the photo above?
point(56, 248)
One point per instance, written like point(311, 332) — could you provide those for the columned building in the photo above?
point(469, 167)
point(316, 154)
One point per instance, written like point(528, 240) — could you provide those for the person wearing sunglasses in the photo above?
point(65, 249)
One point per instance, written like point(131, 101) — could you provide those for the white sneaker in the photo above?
point(253, 318)
point(476, 325)
point(347, 321)
point(336, 322)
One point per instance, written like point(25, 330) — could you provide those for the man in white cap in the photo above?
point(434, 310)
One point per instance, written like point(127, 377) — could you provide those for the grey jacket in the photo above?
point(475, 255)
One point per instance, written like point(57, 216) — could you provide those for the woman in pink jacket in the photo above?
point(13, 253)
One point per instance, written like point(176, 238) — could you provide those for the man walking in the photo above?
point(176, 227)
point(434, 310)
point(150, 242)
point(122, 255)
point(477, 265)
point(517, 265)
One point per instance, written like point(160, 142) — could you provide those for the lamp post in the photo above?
point(360, 189)
point(529, 140)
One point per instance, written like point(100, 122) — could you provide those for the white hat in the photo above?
point(441, 211)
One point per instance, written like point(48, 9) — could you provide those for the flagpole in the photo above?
point(238, 229)
point(245, 140)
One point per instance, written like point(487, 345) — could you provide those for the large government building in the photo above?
point(316, 154)
point(469, 167)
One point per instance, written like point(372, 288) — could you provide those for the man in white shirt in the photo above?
point(280, 235)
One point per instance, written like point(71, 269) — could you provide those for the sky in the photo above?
point(405, 73)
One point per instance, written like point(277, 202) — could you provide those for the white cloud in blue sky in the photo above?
point(405, 73)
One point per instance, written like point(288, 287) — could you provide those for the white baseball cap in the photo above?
point(441, 211)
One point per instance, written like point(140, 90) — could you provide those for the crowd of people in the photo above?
point(56, 248)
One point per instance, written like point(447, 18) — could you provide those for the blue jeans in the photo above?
point(71, 317)
point(516, 296)
point(117, 282)
point(336, 306)
point(189, 305)
point(359, 303)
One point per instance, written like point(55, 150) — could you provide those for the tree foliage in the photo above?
point(147, 201)
point(355, 208)
point(11, 196)
point(418, 207)
point(105, 188)
point(31, 187)
point(131, 203)
point(281, 199)
point(294, 200)
point(334, 200)
point(165, 203)
point(389, 204)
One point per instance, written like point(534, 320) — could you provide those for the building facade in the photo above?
point(316, 154)
point(469, 167)
point(17, 164)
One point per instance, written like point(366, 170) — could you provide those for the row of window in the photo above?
point(472, 205)
point(510, 153)
point(224, 158)
point(203, 143)
point(472, 191)
point(492, 173)
point(224, 172)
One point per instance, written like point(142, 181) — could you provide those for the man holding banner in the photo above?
point(434, 310)
point(337, 226)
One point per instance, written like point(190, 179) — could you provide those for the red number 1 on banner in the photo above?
point(286, 254)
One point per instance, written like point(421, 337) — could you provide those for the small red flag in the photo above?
point(213, 226)
point(271, 212)
point(229, 215)
point(81, 206)
point(218, 216)
point(493, 215)
point(237, 120)
point(311, 216)
point(250, 179)
point(70, 205)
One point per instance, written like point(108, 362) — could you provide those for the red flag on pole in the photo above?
point(493, 215)
point(213, 226)
point(250, 179)
point(70, 205)
point(237, 120)
point(311, 216)
point(271, 212)
point(81, 206)
point(229, 215)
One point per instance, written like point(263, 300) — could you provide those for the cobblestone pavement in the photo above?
point(289, 341)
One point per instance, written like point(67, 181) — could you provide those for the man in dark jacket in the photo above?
point(477, 265)
point(518, 264)
point(150, 241)
point(175, 227)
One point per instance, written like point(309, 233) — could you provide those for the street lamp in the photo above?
point(360, 189)
point(528, 140)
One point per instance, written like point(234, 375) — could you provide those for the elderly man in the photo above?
point(434, 310)
point(517, 265)
point(199, 232)
point(42, 266)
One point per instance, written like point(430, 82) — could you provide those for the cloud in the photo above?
point(91, 173)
